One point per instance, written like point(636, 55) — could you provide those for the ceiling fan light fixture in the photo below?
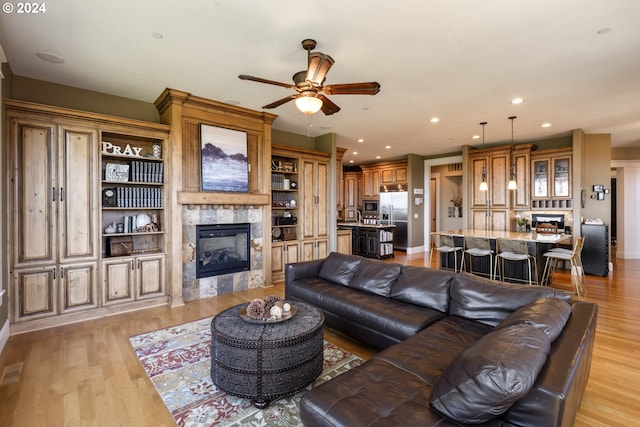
point(308, 104)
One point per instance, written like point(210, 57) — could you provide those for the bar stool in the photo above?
point(575, 257)
point(477, 247)
point(514, 250)
point(444, 244)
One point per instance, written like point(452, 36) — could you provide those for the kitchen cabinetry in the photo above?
point(352, 195)
point(372, 241)
point(489, 208)
point(59, 206)
point(344, 242)
point(377, 175)
point(370, 184)
point(551, 179)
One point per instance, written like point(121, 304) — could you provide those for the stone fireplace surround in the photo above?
point(194, 288)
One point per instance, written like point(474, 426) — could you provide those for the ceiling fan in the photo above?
point(310, 96)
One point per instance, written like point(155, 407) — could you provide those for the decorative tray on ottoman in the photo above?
point(287, 316)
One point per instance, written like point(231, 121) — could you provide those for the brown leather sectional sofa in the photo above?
point(456, 349)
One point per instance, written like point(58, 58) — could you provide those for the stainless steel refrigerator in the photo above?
point(394, 211)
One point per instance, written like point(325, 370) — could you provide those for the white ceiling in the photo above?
point(575, 62)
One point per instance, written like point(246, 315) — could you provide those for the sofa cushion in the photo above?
point(491, 375)
point(339, 268)
point(426, 287)
point(547, 314)
point(490, 302)
point(375, 276)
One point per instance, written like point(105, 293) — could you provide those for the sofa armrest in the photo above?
point(300, 270)
point(556, 397)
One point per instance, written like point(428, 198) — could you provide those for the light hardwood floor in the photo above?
point(87, 374)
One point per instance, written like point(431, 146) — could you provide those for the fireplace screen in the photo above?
point(222, 249)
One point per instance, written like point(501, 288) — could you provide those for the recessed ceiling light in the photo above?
point(350, 161)
point(435, 120)
point(517, 101)
point(475, 137)
point(51, 57)
point(361, 140)
point(387, 147)
point(157, 35)
point(355, 153)
point(377, 157)
point(546, 125)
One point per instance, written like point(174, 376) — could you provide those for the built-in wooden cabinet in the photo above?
point(283, 253)
point(129, 279)
point(344, 242)
point(300, 215)
point(59, 211)
point(551, 179)
point(489, 208)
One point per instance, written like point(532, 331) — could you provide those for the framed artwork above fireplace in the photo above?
point(223, 153)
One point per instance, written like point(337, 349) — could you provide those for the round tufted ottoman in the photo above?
point(264, 362)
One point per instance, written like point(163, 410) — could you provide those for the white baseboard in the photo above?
point(415, 250)
point(4, 334)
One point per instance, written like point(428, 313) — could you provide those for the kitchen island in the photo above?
point(538, 244)
point(370, 240)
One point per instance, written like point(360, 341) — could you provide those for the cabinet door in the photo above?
point(371, 184)
point(315, 196)
point(350, 196)
point(322, 249)
point(499, 171)
point(561, 177)
point(540, 179)
point(322, 207)
point(34, 293)
point(308, 250)
point(150, 276)
point(35, 193)
point(521, 198)
point(77, 194)
point(277, 259)
point(344, 242)
point(387, 176)
point(401, 174)
point(79, 287)
point(478, 197)
point(118, 276)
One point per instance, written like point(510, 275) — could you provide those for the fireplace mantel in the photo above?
point(191, 198)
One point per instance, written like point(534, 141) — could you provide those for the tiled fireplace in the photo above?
point(227, 218)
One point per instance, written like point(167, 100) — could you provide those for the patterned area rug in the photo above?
point(177, 361)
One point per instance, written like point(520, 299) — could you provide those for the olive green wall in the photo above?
point(415, 175)
point(4, 269)
point(26, 89)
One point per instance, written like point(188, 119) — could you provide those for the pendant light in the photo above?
point(483, 185)
point(513, 185)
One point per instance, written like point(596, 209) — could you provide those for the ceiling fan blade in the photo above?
point(261, 80)
point(319, 66)
point(367, 88)
point(282, 101)
point(328, 107)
